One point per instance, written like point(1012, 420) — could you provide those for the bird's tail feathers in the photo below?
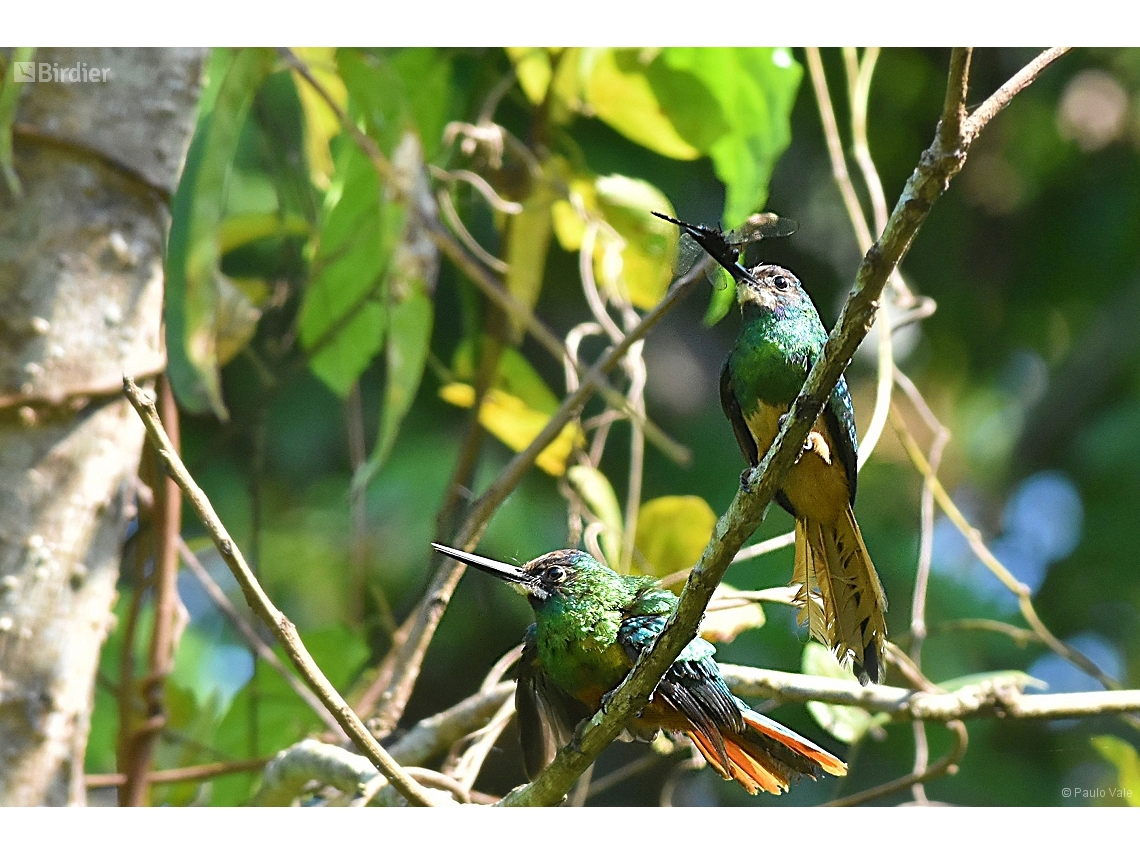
point(766, 755)
point(840, 596)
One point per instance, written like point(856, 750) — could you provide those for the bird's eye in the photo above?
point(555, 575)
point(781, 282)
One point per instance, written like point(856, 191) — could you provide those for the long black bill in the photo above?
point(506, 572)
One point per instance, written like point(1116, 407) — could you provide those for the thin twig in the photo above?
point(204, 772)
point(281, 626)
point(859, 82)
point(167, 517)
point(835, 148)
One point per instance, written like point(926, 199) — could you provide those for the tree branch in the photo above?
point(999, 696)
point(998, 101)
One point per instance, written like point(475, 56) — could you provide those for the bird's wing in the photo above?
point(547, 716)
point(731, 407)
point(839, 415)
point(693, 685)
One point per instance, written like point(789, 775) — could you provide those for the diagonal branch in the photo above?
point(937, 167)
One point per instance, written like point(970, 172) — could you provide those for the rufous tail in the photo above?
point(766, 755)
point(840, 596)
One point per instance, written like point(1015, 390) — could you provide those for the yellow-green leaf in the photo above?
point(596, 492)
point(672, 532)
point(239, 229)
point(1123, 756)
point(528, 239)
point(847, 724)
point(730, 613)
point(515, 424)
point(515, 376)
point(236, 319)
point(534, 71)
point(620, 93)
point(321, 123)
point(568, 223)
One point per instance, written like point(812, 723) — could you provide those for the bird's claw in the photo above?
point(744, 478)
point(607, 699)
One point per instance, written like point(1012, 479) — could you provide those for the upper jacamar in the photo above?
point(840, 595)
point(590, 626)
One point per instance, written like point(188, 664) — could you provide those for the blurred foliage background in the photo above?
point(329, 459)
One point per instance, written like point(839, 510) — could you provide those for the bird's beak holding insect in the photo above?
point(521, 581)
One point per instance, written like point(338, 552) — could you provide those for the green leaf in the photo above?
point(343, 315)
point(391, 93)
point(672, 532)
point(9, 95)
point(596, 492)
point(409, 337)
point(1123, 756)
point(847, 724)
point(194, 246)
point(720, 304)
point(755, 89)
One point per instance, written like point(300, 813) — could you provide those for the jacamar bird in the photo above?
point(840, 595)
point(590, 626)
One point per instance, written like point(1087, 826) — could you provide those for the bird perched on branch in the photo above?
point(840, 596)
point(591, 624)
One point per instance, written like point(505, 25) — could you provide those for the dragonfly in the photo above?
point(726, 247)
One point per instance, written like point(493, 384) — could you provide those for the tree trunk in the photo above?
point(80, 305)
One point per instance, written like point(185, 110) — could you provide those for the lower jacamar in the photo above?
point(591, 624)
point(840, 596)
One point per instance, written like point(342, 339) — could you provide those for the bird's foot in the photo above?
point(744, 478)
